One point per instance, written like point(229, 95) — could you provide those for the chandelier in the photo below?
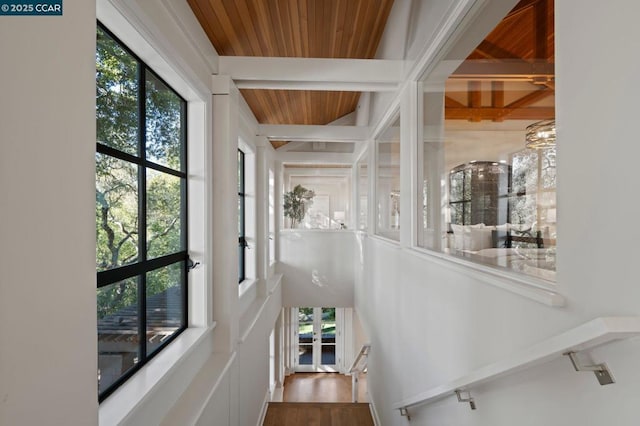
point(541, 135)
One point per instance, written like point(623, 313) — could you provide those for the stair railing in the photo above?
point(358, 366)
point(582, 338)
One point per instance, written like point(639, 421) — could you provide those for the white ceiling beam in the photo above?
point(314, 133)
point(314, 157)
point(251, 72)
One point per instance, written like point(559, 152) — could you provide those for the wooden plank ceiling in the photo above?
point(525, 35)
point(352, 29)
point(295, 28)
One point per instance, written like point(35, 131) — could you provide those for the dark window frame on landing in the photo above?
point(141, 296)
point(242, 217)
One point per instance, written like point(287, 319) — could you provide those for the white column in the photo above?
point(225, 214)
point(262, 217)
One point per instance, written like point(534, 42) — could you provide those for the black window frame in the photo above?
point(143, 266)
point(242, 218)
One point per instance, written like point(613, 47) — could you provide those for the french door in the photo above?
point(316, 332)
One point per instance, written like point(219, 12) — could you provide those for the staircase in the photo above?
point(318, 413)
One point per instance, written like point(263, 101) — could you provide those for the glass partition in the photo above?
point(488, 148)
point(363, 192)
point(388, 181)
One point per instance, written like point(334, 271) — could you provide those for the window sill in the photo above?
point(535, 289)
point(315, 230)
point(143, 385)
point(246, 285)
point(386, 241)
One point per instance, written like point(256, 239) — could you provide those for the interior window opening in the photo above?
point(488, 154)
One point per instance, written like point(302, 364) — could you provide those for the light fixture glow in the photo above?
point(541, 135)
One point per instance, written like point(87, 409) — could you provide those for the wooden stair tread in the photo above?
point(318, 413)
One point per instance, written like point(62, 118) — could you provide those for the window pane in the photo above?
point(491, 191)
point(163, 214)
point(116, 212)
point(241, 216)
point(116, 96)
point(241, 263)
point(164, 304)
point(388, 182)
point(118, 338)
point(164, 131)
point(240, 172)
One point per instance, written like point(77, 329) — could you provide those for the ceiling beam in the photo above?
point(530, 98)
point(252, 72)
point(505, 70)
point(314, 133)
point(314, 157)
point(496, 114)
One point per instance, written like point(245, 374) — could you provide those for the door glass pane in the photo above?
point(328, 354)
point(305, 353)
point(328, 325)
point(305, 336)
point(328, 330)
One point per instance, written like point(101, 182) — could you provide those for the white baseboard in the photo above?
point(372, 408)
point(278, 394)
point(265, 405)
point(374, 414)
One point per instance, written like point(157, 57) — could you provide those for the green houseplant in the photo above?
point(296, 203)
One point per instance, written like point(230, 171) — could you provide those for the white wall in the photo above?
point(318, 267)
point(48, 359)
point(48, 349)
point(430, 323)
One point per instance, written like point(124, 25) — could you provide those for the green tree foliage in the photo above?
point(296, 203)
point(118, 109)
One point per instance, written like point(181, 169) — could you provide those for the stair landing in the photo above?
point(318, 414)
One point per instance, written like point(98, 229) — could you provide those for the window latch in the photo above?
point(191, 265)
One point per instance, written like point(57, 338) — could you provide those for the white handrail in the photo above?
point(358, 366)
point(585, 336)
point(362, 355)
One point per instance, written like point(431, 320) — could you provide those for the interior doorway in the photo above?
point(317, 345)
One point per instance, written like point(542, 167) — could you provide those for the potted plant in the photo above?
point(296, 203)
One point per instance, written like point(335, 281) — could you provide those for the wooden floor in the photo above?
point(317, 414)
point(322, 387)
point(319, 399)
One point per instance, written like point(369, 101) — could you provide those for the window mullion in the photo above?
point(142, 210)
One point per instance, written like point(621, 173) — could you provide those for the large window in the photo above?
point(242, 236)
point(488, 156)
point(141, 217)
